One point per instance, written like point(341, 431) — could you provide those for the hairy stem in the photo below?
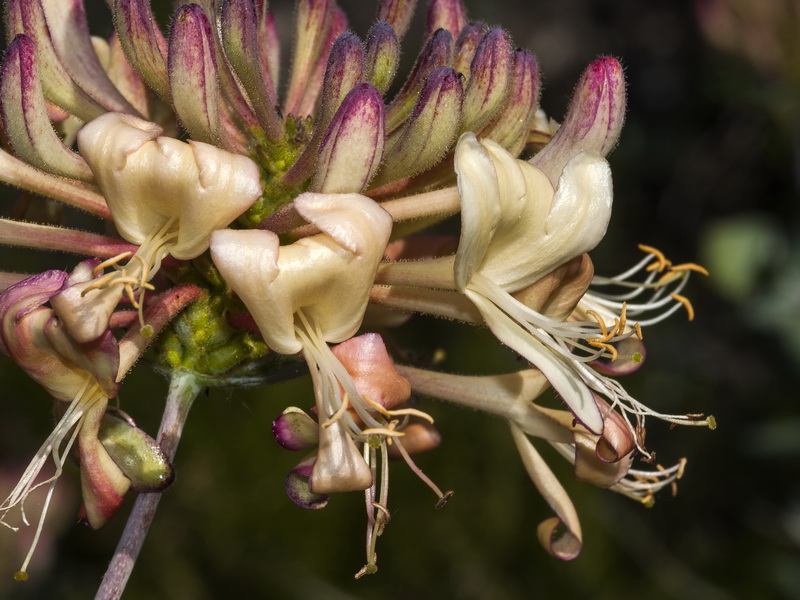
point(183, 389)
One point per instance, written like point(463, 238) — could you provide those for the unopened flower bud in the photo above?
point(138, 455)
point(193, 74)
point(511, 126)
point(344, 70)
point(429, 131)
point(418, 436)
point(295, 430)
point(143, 42)
point(594, 119)
point(372, 370)
point(352, 149)
point(466, 45)
point(398, 14)
point(297, 485)
point(446, 14)
point(25, 117)
point(437, 52)
point(489, 81)
point(311, 31)
point(381, 56)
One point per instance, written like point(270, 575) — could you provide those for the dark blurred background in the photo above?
point(707, 170)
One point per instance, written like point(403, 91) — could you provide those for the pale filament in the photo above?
point(135, 274)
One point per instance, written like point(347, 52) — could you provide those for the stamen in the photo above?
point(661, 260)
point(111, 261)
point(686, 303)
point(691, 267)
point(443, 497)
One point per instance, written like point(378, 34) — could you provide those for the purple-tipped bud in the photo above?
point(381, 56)
point(143, 43)
point(138, 455)
point(430, 131)
point(193, 75)
point(311, 31)
point(510, 128)
point(489, 81)
point(344, 70)
point(69, 32)
point(437, 52)
point(28, 17)
point(466, 45)
point(398, 14)
point(239, 29)
point(351, 151)
point(25, 116)
point(297, 486)
point(446, 14)
point(295, 430)
point(594, 119)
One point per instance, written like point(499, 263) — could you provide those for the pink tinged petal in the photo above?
point(69, 31)
point(489, 81)
point(28, 17)
point(381, 56)
point(437, 52)
point(446, 14)
point(25, 117)
point(352, 149)
point(160, 311)
point(103, 484)
point(138, 455)
point(510, 128)
point(372, 369)
point(314, 85)
point(126, 79)
point(339, 466)
point(46, 237)
point(297, 486)
point(567, 544)
point(398, 14)
point(295, 430)
point(239, 30)
point(143, 43)
point(617, 440)
point(429, 131)
point(466, 45)
point(193, 75)
point(631, 354)
point(72, 193)
point(594, 118)
point(313, 20)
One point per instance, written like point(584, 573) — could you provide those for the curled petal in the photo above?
point(565, 544)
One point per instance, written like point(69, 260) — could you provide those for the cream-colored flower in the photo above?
point(165, 195)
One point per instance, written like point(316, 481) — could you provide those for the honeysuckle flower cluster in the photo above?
point(255, 228)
